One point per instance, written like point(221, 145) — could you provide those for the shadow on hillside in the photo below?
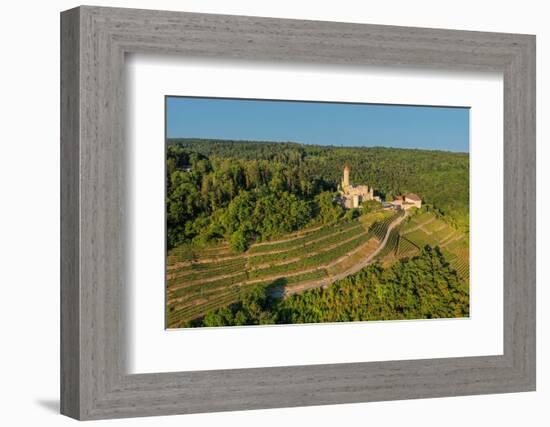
point(277, 288)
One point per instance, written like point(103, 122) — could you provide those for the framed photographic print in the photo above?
point(274, 231)
point(263, 213)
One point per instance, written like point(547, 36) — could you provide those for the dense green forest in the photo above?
point(245, 191)
point(422, 287)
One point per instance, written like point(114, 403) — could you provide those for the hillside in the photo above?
point(423, 229)
point(249, 222)
point(422, 287)
point(201, 280)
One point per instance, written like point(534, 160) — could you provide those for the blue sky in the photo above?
point(339, 124)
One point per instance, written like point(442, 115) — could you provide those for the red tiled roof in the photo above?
point(412, 196)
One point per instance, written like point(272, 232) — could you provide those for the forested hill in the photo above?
point(206, 176)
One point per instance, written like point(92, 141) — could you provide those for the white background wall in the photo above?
point(29, 212)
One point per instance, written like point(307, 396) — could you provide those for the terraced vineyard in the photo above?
point(203, 279)
point(426, 229)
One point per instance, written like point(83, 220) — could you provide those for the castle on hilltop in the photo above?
point(352, 196)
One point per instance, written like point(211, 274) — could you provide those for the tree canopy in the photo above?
point(263, 189)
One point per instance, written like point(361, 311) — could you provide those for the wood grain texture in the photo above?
point(70, 297)
point(94, 380)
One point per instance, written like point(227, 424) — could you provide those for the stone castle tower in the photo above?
point(345, 180)
point(352, 196)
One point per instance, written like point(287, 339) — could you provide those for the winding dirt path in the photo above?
point(332, 263)
point(352, 270)
point(184, 302)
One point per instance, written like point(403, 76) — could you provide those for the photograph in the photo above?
point(292, 212)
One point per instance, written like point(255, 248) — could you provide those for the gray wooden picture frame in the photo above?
point(94, 381)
